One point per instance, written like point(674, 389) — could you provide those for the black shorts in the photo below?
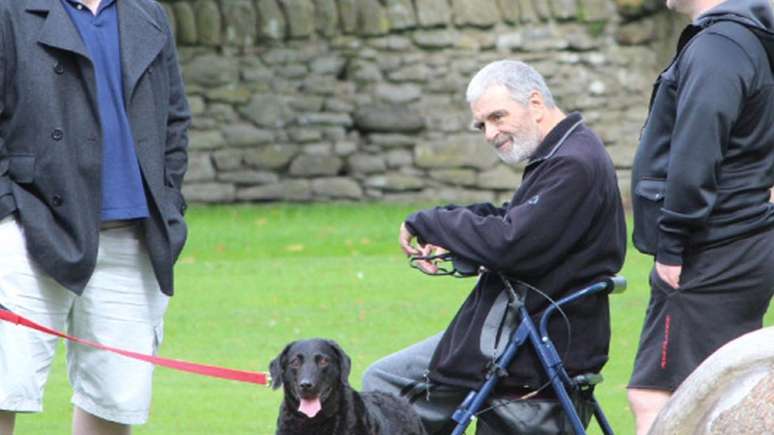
point(724, 293)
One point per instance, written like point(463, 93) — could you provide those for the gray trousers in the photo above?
point(404, 373)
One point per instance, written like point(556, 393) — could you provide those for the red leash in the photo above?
point(183, 366)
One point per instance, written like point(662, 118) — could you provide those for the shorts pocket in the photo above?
point(659, 284)
point(158, 337)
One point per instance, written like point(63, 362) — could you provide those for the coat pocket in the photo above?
point(21, 168)
point(176, 226)
point(648, 201)
point(5, 183)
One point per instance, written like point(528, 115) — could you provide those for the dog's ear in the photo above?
point(345, 363)
point(277, 366)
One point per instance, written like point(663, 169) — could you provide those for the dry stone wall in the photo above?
point(315, 100)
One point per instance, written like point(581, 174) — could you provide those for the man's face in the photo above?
point(507, 125)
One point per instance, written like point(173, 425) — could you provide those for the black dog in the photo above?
point(319, 401)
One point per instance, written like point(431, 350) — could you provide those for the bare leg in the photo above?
point(7, 420)
point(646, 405)
point(87, 424)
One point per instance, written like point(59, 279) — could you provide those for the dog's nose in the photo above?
point(305, 385)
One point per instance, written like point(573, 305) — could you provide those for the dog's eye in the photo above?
point(323, 361)
point(295, 363)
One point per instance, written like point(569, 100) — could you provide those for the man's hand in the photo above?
point(669, 274)
point(405, 239)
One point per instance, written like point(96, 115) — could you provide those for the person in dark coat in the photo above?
point(563, 229)
point(701, 198)
point(93, 121)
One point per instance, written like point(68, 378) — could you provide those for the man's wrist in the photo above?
point(670, 250)
point(668, 259)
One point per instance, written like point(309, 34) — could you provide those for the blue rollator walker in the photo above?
point(528, 332)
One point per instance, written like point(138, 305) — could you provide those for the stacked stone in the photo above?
point(314, 100)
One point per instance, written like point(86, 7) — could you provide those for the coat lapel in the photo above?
point(58, 30)
point(142, 39)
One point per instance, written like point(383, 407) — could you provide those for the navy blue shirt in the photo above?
point(123, 195)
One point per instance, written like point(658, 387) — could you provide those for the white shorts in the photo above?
point(121, 306)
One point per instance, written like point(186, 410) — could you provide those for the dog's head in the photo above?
point(312, 373)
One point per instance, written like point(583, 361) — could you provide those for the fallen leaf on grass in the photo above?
point(294, 248)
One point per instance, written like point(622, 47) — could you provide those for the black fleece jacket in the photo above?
point(703, 169)
point(563, 229)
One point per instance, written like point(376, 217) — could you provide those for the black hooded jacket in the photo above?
point(563, 229)
point(705, 163)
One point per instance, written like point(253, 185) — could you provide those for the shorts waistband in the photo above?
point(7, 219)
point(113, 225)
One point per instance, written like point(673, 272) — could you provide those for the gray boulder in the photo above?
point(272, 22)
point(300, 16)
point(240, 18)
point(208, 22)
point(432, 13)
point(306, 165)
point(731, 392)
point(388, 119)
point(481, 13)
point(186, 23)
point(211, 71)
point(287, 190)
point(456, 151)
point(337, 187)
point(267, 110)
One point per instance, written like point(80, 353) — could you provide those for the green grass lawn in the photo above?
point(253, 278)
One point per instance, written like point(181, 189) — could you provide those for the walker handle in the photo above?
point(616, 284)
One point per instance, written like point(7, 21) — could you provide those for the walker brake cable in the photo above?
point(447, 264)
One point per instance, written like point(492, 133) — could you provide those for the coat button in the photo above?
point(57, 134)
point(57, 200)
point(59, 68)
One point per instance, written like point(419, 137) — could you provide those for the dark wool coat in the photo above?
point(563, 229)
point(51, 142)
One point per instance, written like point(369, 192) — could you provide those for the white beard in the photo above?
point(520, 148)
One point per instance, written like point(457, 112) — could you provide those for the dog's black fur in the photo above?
point(320, 368)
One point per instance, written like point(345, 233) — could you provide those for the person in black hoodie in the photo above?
point(700, 193)
point(563, 229)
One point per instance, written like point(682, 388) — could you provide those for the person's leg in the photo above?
point(405, 374)
point(7, 420)
point(123, 307)
point(25, 355)
point(662, 355)
point(87, 424)
point(724, 292)
point(645, 405)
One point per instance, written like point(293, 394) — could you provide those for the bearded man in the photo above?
point(563, 229)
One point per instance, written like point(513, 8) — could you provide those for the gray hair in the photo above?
point(519, 78)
